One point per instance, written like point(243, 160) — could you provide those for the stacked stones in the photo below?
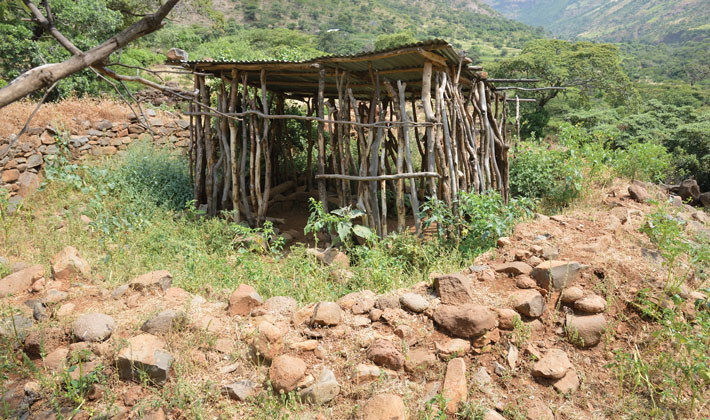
point(21, 164)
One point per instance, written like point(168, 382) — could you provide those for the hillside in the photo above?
point(622, 20)
point(337, 26)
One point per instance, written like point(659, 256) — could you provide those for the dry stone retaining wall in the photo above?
point(23, 160)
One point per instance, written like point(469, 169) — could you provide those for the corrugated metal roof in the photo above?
point(403, 63)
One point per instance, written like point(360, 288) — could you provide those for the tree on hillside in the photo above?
point(87, 29)
point(385, 41)
point(591, 70)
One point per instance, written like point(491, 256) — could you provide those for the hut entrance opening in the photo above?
point(380, 131)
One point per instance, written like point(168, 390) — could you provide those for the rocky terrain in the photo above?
point(527, 331)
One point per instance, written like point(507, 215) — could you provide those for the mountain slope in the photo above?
point(615, 20)
point(341, 26)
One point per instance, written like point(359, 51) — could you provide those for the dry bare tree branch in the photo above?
point(46, 75)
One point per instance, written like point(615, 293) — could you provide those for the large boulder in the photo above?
point(688, 190)
point(20, 281)
point(454, 289)
point(68, 264)
point(556, 274)
point(93, 327)
point(144, 354)
point(465, 321)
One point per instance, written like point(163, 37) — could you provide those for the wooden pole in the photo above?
point(321, 140)
point(429, 115)
point(413, 199)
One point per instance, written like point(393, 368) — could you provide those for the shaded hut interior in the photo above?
point(381, 131)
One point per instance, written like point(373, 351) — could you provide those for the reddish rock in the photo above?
point(453, 347)
point(455, 389)
point(383, 353)
point(384, 407)
point(10, 175)
point(465, 321)
point(553, 365)
point(515, 268)
point(20, 281)
point(268, 343)
point(162, 279)
point(243, 300)
point(419, 360)
point(68, 264)
point(506, 318)
point(568, 384)
point(286, 372)
point(593, 304)
point(28, 183)
point(571, 295)
point(585, 330)
point(639, 193)
point(528, 302)
point(556, 275)
point(326, 314)
point(454, 289)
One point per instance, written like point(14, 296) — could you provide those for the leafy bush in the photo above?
point(550, 175)
point(148, 174)
point(643, 161)
point(479, 221)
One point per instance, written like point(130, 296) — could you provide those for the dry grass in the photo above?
point(68, 113)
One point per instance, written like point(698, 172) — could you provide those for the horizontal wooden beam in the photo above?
point(380, 177)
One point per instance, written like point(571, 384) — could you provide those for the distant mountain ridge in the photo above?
point(666, 21)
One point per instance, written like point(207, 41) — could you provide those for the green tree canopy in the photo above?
point(385, 41)
point(592, 70)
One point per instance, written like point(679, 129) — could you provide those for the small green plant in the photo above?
point(8, 216)
point(521, 332)
point(338, 223)
point(434, 409)
point(470, 410)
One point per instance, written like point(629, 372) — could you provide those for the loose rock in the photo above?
point(586, 330)
point(593, 304)
point(455, 388)
point(465, 321)
point(384, 407)
point(324, 390)
point(21, 280)
point(243, 300)
point(164, 322)
point(528, 302)
point(506, 318)
point(162, 279)
point(568, 384)
point(326, 314)
point(68, 264)
point(556, 274)
point(453, 347)
point(639, 193)
point(144, 354)
point(571, 295)
point(414, 302)
point(93, 327)
point(268, 342)
point(241, 390)
point(515, 268)
point(383, 353)
point(553, 365)
point(419, 360)
point(286, 372)
point(454, 289)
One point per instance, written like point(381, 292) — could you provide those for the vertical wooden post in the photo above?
point(322, 194)
point(243, 157)
point(413, 198)
point(266, 144)
point(234, 165)
point(429, 116)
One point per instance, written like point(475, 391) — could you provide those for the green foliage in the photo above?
point(477, 222)
point(673, 368)
point(551, 175)
point(643, 161)
point(588, 69)
point(338, 223)
point(385, 41)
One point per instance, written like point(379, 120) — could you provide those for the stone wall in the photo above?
point(21, 164)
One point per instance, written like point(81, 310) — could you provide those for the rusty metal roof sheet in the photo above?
point(403, 63)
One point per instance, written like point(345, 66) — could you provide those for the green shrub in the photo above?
point(550, 175)
point(643, 161)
